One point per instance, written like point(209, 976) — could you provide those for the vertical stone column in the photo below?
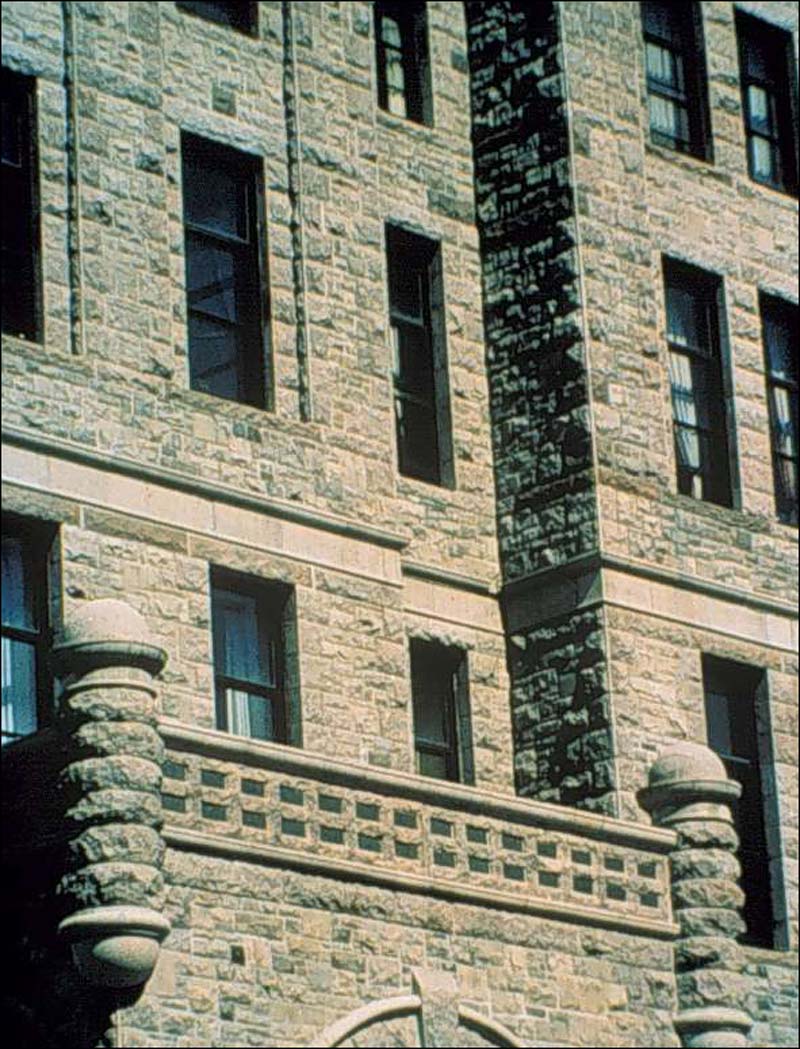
point(112, 888)
point(690, 792)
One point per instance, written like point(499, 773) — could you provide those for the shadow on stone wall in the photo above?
point(546, 500)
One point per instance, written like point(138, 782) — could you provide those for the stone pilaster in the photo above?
point(690, 792)
point(113, 887)
point(539, 393)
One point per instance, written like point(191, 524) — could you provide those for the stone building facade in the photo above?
point(524, 528)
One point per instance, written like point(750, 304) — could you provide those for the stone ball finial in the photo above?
point(688, 781)
point(107, 619)
point(686, 762)
point(106, 631)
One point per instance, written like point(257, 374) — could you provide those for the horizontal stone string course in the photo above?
point(343, 823)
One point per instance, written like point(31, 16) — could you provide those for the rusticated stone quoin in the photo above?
point(113, 891)
point(690, 792)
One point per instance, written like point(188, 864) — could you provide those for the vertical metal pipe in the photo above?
point(74, 256)
point(291, 108)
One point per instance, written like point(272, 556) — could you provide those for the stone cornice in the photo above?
point(432, 574)
point(597, 561)
point(212, 490)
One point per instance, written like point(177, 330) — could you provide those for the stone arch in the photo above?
point(411, 1005)
point(491, 1030)
point(373, 1013)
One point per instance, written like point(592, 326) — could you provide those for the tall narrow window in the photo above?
point(26, 682)
point(21, 306)
point(237, 15)
point(693, 306)
point(779, 328)
point(402, 60)
point(677, 91)
point(442, 728)
point(421, 394)
point(766, 59)
point(733, 696)
point(226, 289)
point(251, 629)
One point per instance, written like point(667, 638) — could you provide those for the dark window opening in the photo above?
point(677, 91)
point(27, 680)
point(699, 413)
point(226, 287)
point(254, 657)
point(766, 60)
point(421, 393)
point(734, 700)
point(241, 16)
point(402, 60)
point(21, 305)
point(779, 329)
point(442, 724)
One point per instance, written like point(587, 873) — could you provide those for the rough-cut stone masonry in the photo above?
point(536, 360)
point(546, 496)
point(584, 590)
point(360, 169)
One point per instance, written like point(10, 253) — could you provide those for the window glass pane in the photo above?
point(403, 88)
point(431, 714)
point(413, 362)
point(434, 765)
point(18, 598)
point(214, 358)
point(390, 32)
point(762, 159)
point(20, 218)
point(686, 325)
point(682, 383)
point(395, 85)
point(668, 118)
point(211, 278)
point(12, 132)
point(660, 20)
point(786, 478)
point(19, 687)
point(417, 439)
point(406, 279)
point(662, 64)
point(759, 107)
point(241, 647)
point(249, 715)
point(215, 198)
point(687, 443)
point(781, 346)
point(783, 421)
point(757, 65)
point(719, 723)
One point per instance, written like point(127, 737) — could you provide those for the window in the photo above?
point(700, 418)
point(677, 92)
point(27, 685)
point(421, 394)
point(225, 285)
point(402, 60)
point(442, 728)
point(242, 16)
point(766, 60)
point(738, 731)
point(254, 657)
point(779, 328)
point(21, 271)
